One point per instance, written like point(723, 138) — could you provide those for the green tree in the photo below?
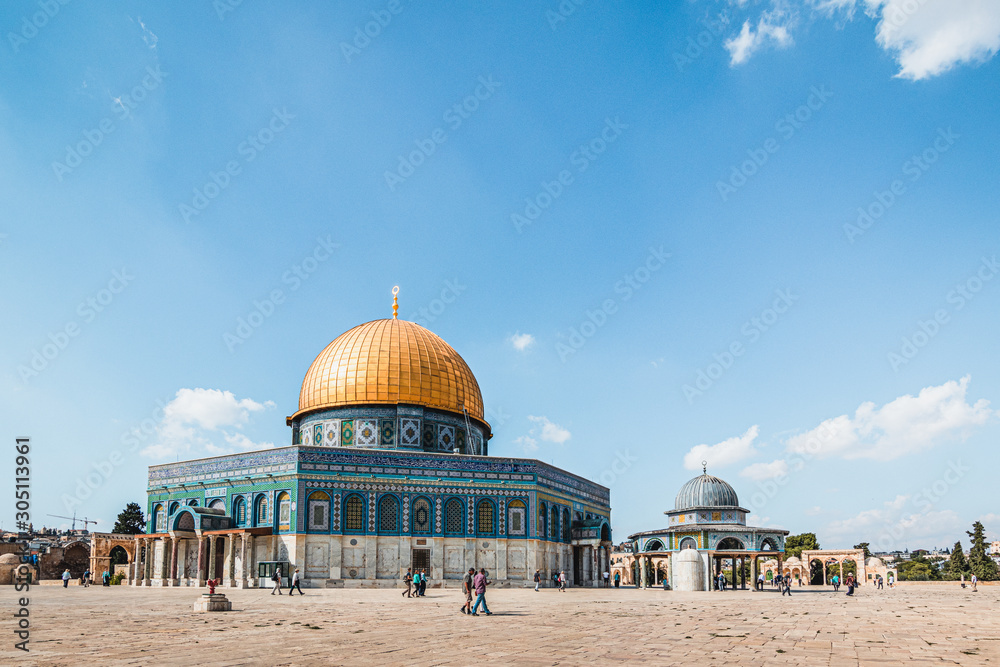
point(130, 520)
point(957, 564)
point(979, 561)
point(796, 544)
point(864, 546)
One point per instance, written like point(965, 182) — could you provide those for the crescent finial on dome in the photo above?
point(395, 302)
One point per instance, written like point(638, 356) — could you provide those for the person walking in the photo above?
point(786, 586)
point(538, 579)
point(562, 581)
point(975, 580)
point(296, 583)
point(607, 579)
point(836, 583)
point(467, 586)
point(423, 583)
point(850, 584)
point(65, 578)
point(86, 578)
point(408, 581)
point(276, 580)
point(618, 579)
point(891, 581)
point(106, 578)
point(880, 582)
point(480, 583)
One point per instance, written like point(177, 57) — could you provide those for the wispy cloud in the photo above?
point(543, 430)
point(727, 452)
point(521, 341)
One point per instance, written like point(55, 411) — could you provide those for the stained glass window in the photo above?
point(388, 514)
point(454, 517)
point(516, 517)
point(484, 517)
point(421, 516)
point(354, 510)
point(262, 512)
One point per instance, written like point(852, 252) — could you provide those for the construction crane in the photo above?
point(84, 520)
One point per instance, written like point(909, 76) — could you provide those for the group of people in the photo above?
point(974, 581)
point(416, 583)
point(477, 583)
point(85, 579)
point(294, 584)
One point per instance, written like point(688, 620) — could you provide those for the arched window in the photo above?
point(567, 527)
point(388, 515)
point(517, 513)
point(260, 514)
point(218, 504)
point(240, 512)
point(543, 521)
point(193, 502)
point(454, 517)
point(689, 543)
point(173, 508)
point(319, 511)
point(654, 545)
point(354, 514)
point(730, 544)
point(284, 504)
point(421, 516)
point(485, 518)
point(161, 519)
point(554, 523)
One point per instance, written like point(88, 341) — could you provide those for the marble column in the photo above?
point(148, 563)
point(211, 557)
point(174, 544)
point(642, 572)
point(201, 561)
point(229, 573)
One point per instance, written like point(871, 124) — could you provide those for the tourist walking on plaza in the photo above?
point(86, 577)
point(975, 580)
point(879, 582)
point(276, 578)
point(423, 582)
point(467, 586)
point(836, 583)
point(106, 578)
point(538, 579)
point(408, 579)
point(891, 581)
point(65, 578)
point(296, 583)
point(722, 581)
point(607, 579)
point(786, 586)
point(562, 581)
point(760, 581)
point(618, 579)
point(480, 583)
point(850, 584)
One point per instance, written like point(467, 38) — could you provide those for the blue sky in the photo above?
point(761, 234)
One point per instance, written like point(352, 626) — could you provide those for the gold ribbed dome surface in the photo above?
point(391, 361)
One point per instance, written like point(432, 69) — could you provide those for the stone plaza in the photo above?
point(915, 623)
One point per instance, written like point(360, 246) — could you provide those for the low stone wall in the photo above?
point(956, 584)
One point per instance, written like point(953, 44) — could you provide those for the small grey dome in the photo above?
point(706, 491)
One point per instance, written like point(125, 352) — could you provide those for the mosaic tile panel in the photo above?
point(317, 434)
point(331, 431)
point(406, 514)
point(409, 432)
point(347, 433)
point(387, 432)
point(460, 439)
point(336, 512)
point(437, 515)
point(446, 438)
point(366, 433)
point(430, 435)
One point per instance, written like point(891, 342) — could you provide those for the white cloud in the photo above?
point(814, 511)
point(550, 432)
point(926, 37)
point(521, 342)
point(761, 471)
point(727, 452)
point(903, 426)
point(543, 430)
point(929, 37)
point(205, 421)
point(896, 525)
point(772, 28)
point(147, 35)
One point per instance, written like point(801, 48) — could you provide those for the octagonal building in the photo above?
point(387, 469)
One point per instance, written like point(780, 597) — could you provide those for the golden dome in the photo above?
point(390, 362)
